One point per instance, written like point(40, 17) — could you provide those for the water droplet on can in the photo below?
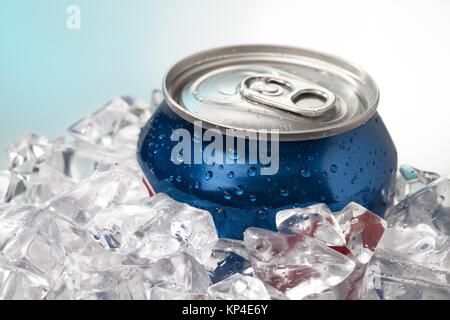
point(261, 214)
point(239, 190)
point(251, 172)
point(305, 173)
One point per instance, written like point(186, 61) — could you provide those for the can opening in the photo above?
point(310, 99)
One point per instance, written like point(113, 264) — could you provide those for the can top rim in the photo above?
point(356, 82)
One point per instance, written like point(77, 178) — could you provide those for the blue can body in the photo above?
point(358, 165)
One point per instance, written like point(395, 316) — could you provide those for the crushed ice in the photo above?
point(76, 222)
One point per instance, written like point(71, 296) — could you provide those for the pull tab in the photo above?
point(297, 96)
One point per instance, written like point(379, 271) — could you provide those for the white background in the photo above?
point(404, 45)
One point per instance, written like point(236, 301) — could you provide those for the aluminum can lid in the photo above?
point(303, 94)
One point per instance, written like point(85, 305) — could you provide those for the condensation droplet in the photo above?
point(251, 172)
point(305, 172)
point(239, 190)
point(208, 175)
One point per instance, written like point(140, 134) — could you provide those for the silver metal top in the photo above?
point(298, 96)
point(302, 93)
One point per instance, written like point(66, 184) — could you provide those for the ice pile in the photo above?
point(413, 258)
point(350, 238)
point(76, 222)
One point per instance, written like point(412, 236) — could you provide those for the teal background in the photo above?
point(51, 76)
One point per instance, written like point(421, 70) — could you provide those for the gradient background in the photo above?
point(51, 76)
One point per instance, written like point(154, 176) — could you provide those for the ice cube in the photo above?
point(41, 167)
point(93, 257)
point(419, 244)
point(430, 206)
point(131, 286)
point(356, 285)
point(116, 124)
point(78, 159)
point(296, 265)
point(410, 180)
point(396, 289)
point(140, 108)
point(20, 284)
point(413, 258)
point(97, 249)
point(12, 219)
point(354, 230)
point(24, 156)
point(225, 257)
point(80, 284)
point(362, 230)
point(155, 227)
point(4, 184)
point(274, 293)
point(73, 237)
point(157, 99)
point(16, 188)
point(123, 284)
point(239, 287)
point(316, 221)
point(325, 295)
point(116, 226)
point(231, 264)
point(413, 263)
point(393, 278)
point(44, 183)
point(101, 190)
point(158, 293)
point(427, 176)
point(27, 152)
point(178, 273)
point(30, 238)
point(176, 226)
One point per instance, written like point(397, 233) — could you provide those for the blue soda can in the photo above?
point(247, 131)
